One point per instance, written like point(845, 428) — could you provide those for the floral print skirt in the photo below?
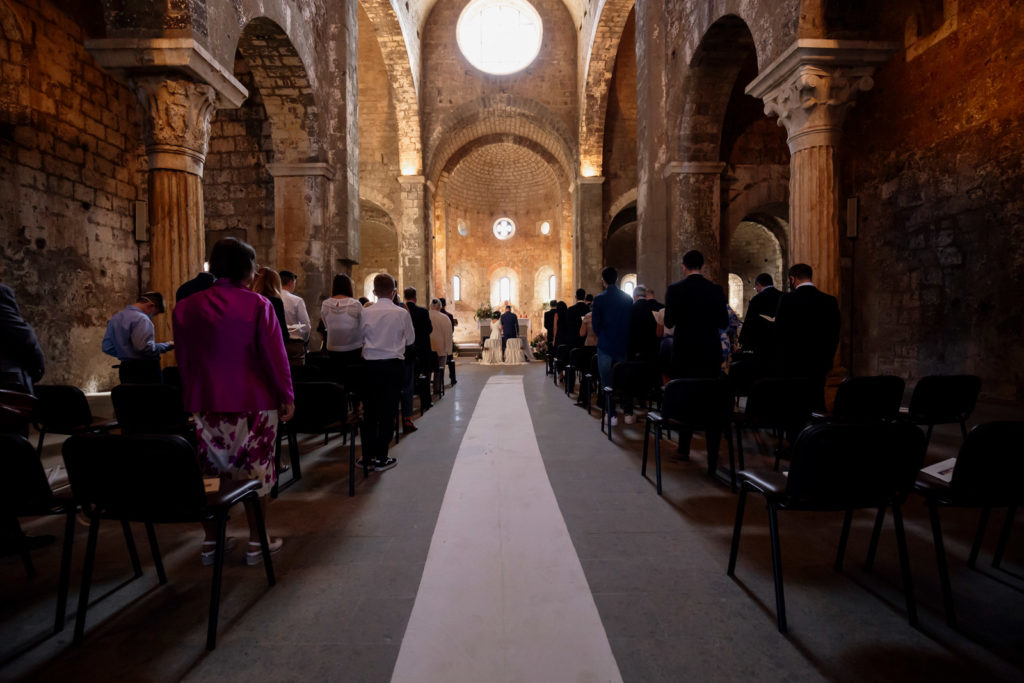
point(238, 446)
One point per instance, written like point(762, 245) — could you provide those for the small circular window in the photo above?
point(463, 228)
point(504, 228)
point(545, 228)
point(499, 36)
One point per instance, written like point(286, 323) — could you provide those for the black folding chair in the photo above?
point(579, 364)
point(867, 399)
point(17, 412)
point(630, 380)
point(151, 409)
point(561, 360)
point(25, 492)
point(64, 409)
point(987, 474)
point(153, 480)
point(944, 399)
point(693, 405)
point(838, 467)
point(779, 404)
point(321, 408)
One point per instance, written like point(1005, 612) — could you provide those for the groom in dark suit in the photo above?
point(758, 332)
point(807, 332)
point(509, 327)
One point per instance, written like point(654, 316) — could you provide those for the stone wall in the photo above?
point(380, 247)
point(933, 153)
point(71, 168)
point(620, 141)
point(238, 190)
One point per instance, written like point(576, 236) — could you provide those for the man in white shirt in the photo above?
point(387, 330)
point(296, 317)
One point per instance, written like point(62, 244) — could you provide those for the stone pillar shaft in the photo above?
point(694, 190)
point(814, 213)
point(588, 238)
point(413, 240)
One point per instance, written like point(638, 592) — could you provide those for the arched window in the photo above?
point(368, 287)
point(504, 290)
point(456, 288)
point(736, 293)
point(552, 287)
point(628, 283)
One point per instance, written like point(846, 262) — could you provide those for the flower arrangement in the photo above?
point(539, 344)
point(484, 311)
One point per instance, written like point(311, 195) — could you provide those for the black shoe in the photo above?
point(454, 382)
point(370, 464)
point(386, 464)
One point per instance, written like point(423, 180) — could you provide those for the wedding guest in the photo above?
point(236, 380)
point(296, 318)
point(387, 333)
point(130, 337)
point(268, 283)
point(21, 356)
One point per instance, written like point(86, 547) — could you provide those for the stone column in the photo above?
point(694, 191)
point(176, 125)
point(588, 237)
point(810, 88)
point(301, 192)
point(413, 240)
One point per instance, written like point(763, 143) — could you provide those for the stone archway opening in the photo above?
point(620, 242)
point(755, 247)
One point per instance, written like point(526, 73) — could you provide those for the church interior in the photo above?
point(881, 142)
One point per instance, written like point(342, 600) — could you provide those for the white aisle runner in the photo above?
point(503, 596)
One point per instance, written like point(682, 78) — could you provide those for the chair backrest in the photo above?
point(778, 402)
point(562, 353)
point(63, 409)
point(172, 376)
point(846, 466)
point(580, 357)
point(940, 399)
point(699, 403)
point(990, 467)
point(24, 489)
point(17, 410)
point(317, 405)
point(869, 399)
point(149, 409)
point(154, 478)
point(634, 378)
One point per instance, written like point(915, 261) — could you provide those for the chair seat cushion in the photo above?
point(230, 492)
point(767, 482)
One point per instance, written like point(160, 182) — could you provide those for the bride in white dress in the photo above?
point(492, 346)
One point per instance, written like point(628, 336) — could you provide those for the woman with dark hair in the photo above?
point(235, 379)
point(562, 332)
point(268, 283)
point(342, 315)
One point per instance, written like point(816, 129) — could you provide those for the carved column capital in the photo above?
point(813, 84)
point(176, 121)
point(813, 102)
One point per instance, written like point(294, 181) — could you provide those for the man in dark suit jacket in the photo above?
point(695, 306)
point(574, 319)
point(509, 327)
point(549, 323)
point(451, 358)
point(21, 356)
point(758, 333)
point(807, 332)
point(418, 360)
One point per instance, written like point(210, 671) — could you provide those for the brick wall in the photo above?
point(620, 138)
point(934, 155)
point(71, 167)
point(238, 190)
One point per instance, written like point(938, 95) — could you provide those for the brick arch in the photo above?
point(525, 119)
point(376, 199)
point(597, 78)
point(508, 138)
point(625, 199)
point(10, 26)
point(709, 82)
point(404, 84)
point(286, 87)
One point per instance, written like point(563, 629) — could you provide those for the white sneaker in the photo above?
point(254, 555)
point(615, 421)
point(206, 555)
point(629, 418)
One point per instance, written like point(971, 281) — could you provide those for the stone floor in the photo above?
point(351, 569)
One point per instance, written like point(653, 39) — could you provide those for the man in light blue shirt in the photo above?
point(130, 338)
